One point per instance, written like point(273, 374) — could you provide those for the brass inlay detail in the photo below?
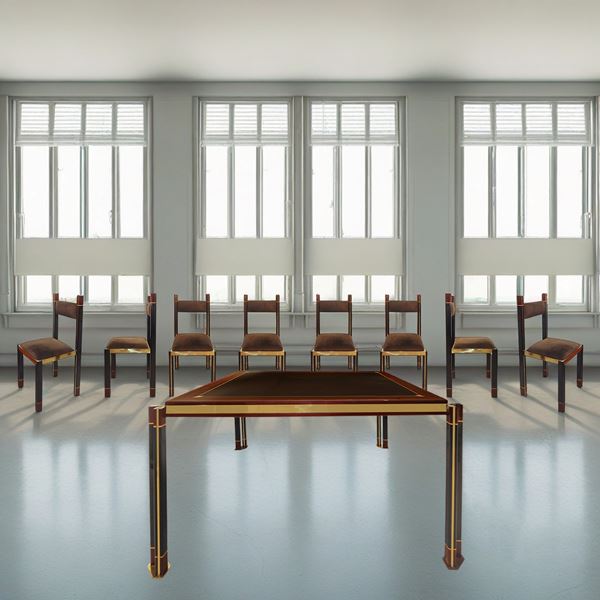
point(403, 352)
point(128, 351)
point(472, 351)
point(553, 361)
point(193, 352)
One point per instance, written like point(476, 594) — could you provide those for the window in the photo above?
point(81, 198)
point(244, 183)
point(355, 189)
point(525, 178)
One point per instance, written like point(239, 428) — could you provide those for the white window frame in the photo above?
point(588, 203)
point(19, 299)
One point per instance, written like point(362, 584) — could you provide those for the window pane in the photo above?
point(382, 191)
point(353, 191)
point(537, 191)
point(35, 191)
point(100, 191)
point(215, 181)
point(273, 285)
point(273, 190)
point(507, 191)
point(535, 286)
point(218, 288)
point(475, 289)
point(245, 191)
point(506, 289)
point(131, 191)
point(382, 285)
point(569, 191)
point(569, 289)
point(245, 284)
point(322, 191)
point(69, 185)
point(325, 285)
point(38, 289)
point(355, 285)
point(131, 289)
point(475, 184)
point(99, 289)
point(69, 287)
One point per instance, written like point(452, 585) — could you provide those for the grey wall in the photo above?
point(430, 217)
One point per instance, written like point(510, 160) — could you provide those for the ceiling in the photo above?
point(266, 40)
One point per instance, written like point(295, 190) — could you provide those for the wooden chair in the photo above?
point(193, 343)
point(50, 350)
point(334, 344)
point(134, 345)
point(403, 344)
point(467, 345)
point(258, 344)
point(548, 350)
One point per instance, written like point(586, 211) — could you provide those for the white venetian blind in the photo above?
point(509, 122)
point(252, 123)
point(75, 122)
point(351, 122)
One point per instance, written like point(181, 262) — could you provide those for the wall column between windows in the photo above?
point(5, 210)
point(296, 202)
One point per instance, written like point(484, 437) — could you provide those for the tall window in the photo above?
point(355, 190)
point(245, 245)
point(525, 179)
point(80, 184)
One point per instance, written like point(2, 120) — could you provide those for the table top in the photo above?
point(306, 393)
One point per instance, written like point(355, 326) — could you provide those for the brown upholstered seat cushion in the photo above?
point(135, 344)
point(473, 343)
point(334, 342)
point(554, 348)
point(403, 342)
point(192, 342)
point(261, 342)
point(45, 348)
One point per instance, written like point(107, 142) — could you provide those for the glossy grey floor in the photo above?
point(311, 510)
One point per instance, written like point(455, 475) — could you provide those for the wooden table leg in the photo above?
point(157, 437)
point(453, 557)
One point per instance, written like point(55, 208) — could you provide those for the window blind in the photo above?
point(349, 122)
point(77, 123)
point(255, 123)
point(509, 122)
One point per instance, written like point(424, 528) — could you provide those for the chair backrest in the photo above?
point(151, 321)
point(450, 320)
point(526, 310)
point(339, 306)
point(191, 306)
point(72, 310)
point(402, 306)
point(261, 306)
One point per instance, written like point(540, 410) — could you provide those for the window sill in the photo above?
point(508, 320)
point(92, 320)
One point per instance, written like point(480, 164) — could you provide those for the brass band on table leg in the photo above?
point(157, 437)
point(453, 557)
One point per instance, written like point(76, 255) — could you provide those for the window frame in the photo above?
point(16, 227)
point(589, 201)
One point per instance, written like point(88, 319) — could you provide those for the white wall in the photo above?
point(430, 217)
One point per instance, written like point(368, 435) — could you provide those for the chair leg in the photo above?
point(381, 361)
point(350, 363)
point(453, 366)
point(107, 372)
point(177, 362)
point(388, 362)
point(544, 369)
point(494, 373)
point(241, 441)
point(213, 367)
point(418, 362)
point(378, 426)
point(19, 368)
point(38, 386)
point(284, 361)
point(153, 374)
point(488, 364)
point(522, 374)
point(55, 369)
point(355, 362)
point(171, 375)
point(318, 362)
point(77, 375)
point(449, 370)
point(384, 431)
point(148, 366)
point(113, 365)
point(208, 362)
point(424, 380)
point(580, 368)
point(312, 362)
point(561, 387)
